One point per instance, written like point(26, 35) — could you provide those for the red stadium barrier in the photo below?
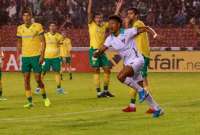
point(173, 37)
point(80, 62)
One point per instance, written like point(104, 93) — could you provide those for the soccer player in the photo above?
point(97, 33)
point(121, 40)
point(31, 43)
point(65, 53)
point(1, 89)
point(142, 43)
point(52, 54)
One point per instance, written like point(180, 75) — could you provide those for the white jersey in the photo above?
point(124, 44)
point(126, 47)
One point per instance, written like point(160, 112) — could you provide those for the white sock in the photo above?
point(149, 99)
point(132, 105)
point(131, 83)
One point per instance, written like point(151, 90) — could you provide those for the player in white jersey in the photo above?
point(121, 40)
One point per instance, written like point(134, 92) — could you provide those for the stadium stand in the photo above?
point(169, 17)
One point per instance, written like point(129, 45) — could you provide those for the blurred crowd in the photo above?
point(73, 13)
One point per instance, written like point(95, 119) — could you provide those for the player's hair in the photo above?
point(27, 10)
point(52, 22)
point(116, 18)
point(97, 14)
point(135, 10)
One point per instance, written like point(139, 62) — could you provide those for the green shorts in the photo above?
point(101, 61)
point(31, 63)
point(67, 59)
point(53, 63)
point(144, 70)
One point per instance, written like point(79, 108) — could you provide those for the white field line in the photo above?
point(50, 116)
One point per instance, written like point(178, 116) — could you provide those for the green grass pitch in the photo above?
point(80, 113)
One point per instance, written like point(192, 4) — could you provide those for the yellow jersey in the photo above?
point(53, 42)
point(66, 48)
point(142, 40)
point(31, 43)
point(97, 34)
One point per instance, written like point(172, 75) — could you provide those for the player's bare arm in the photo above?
point(43, 47)
point(89, 11)
point(19, 47)
point(118, 6)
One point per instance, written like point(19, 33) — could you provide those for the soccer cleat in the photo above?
point(28, 105)
point(60, 91)
point(158, 113)
point(37, 91)
point(142, 95)
point(47, 102)
point(109, 94)
point(3, 98)
point(129, 109)
point(101, 94)
point(150, 111)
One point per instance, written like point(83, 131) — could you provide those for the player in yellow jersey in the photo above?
point(142, 43)
point(52, 55)
point(97, 33)
point(1, 64)
point(65, 54)
point(31, 43)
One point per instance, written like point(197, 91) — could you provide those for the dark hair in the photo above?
point(52, 22)
point(27, 10)
point(116, 18)
point(96, 14)
point(135, 10)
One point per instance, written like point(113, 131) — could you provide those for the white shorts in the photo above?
point(136, 63)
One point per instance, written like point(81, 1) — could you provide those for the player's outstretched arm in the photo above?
point(118, 6)
point(100, 51)
point(89, 11)
point(43, 48)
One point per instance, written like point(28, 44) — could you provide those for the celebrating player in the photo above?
point(142, 43)
point(97, 32)
point(65, 53)
point(31, 42)
point(1, 89)
point(121, 40)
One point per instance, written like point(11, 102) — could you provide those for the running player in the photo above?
point(121, 40)
point(97, 32)
point(142, 43)
point(65, 53)
point(1, 88)
point(31, 43)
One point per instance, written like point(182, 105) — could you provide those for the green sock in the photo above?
point(1, 92)
point(98, 90)
point(44, 96)
point(59, 86)
point(106, 88)
point(29, 100)
point(133, 101)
